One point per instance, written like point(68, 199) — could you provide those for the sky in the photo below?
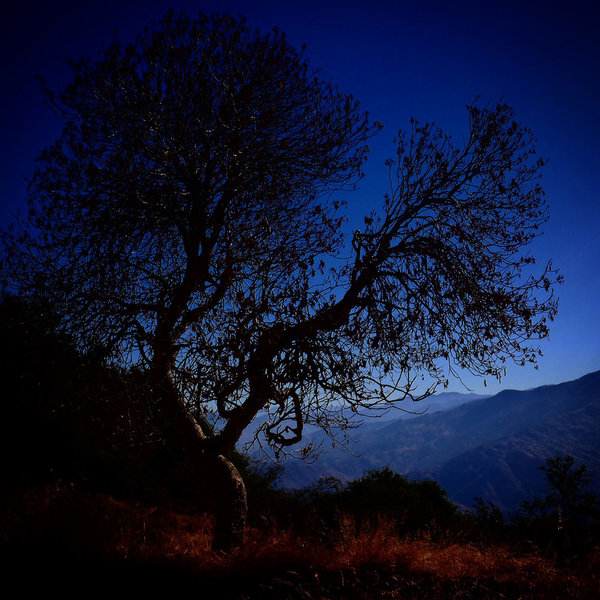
point(426, 59)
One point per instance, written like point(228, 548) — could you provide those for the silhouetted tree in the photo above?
point(382, 492)
point(36, 367)
point(185, 220)
point(487, 514)
point(566, 500)
point(486, 521)
point(567, 508)
point(67, 415)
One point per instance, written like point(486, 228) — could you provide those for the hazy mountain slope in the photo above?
point(370, 420)
point(506, 472)
point(485, 446)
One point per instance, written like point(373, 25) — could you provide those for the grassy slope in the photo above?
point(61, 538)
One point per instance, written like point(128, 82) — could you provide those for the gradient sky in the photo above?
point(426, 59)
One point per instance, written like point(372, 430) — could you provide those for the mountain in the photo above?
point(377, 418)
point(506, 471)
point(489, 447)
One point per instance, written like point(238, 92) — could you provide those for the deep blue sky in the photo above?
point(425, 59)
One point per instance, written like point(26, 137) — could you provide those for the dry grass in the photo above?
point(97, 525)
point(185, 538)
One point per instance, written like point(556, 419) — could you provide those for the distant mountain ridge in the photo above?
point(489, 447)
point(376, 418)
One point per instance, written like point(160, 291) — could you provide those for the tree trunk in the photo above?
point(224, 482)
point(231, 505)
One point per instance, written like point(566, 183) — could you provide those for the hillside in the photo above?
point(372, 419)
point(63, 539)
point(490, 447)
point(505, 472)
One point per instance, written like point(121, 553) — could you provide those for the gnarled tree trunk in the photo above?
point(230, 503)
point(222, 478)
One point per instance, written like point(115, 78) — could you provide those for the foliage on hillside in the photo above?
point(60, 537)
point(94, 496)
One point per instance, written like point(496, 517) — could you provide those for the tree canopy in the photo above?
point(187, 220)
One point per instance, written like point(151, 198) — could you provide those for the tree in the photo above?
point(487, 513)
point(566, 507)
point(186, 220)
point(382, 492)
point(565, 500)
point(70, 416)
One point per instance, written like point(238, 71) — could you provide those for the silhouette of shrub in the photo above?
point(414, 505)
point(66, 416)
